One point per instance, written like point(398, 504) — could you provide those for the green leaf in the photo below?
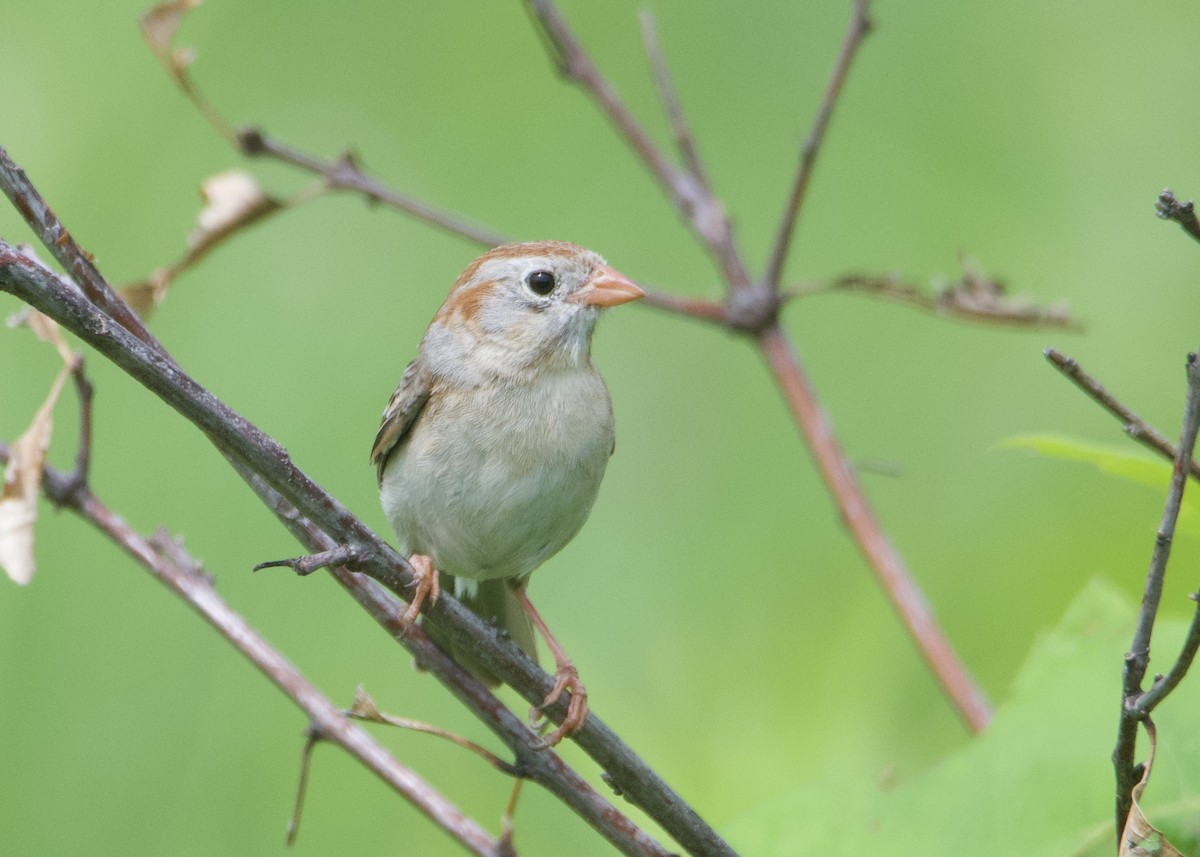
point(1132, 466)
point(1038, 781)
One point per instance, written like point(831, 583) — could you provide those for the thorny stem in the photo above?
point(1137, 660)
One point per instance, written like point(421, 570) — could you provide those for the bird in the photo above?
point(490, 453)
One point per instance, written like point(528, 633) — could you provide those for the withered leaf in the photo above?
point(1140, 838)
point(22, 482)
point(159, 25)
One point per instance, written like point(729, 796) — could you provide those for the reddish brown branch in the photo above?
point(860, 25)
point(883, 558)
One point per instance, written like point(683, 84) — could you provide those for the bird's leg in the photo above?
point(425, 585)
point(566, 678)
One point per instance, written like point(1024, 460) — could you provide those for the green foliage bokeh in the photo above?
point(724, 623)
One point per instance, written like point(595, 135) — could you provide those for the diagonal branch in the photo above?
point(690, 197)
point(251, 448)
point(345, 174)
point(887, 564)
point(169, 563)
point(860, 25)
point(1131, 423)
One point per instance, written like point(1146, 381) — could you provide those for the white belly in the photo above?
point(493, 484)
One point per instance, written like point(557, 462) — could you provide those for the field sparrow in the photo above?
point(493, 446)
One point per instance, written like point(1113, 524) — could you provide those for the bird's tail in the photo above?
point(494, 602)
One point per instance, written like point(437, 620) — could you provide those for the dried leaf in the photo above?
point(159, 25)
point(22, 482)
point(364, 707)
point(975, 297)
point(1140, 838)
point(232, 199)
point(144, 297)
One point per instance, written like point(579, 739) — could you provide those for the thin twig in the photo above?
point(77, 263)
point(1183, 213)
point(699, 308)
point(1131, 423)
point(685, 141)
point(699, 209)
point(167, 561)
point(974, 298)
point(1137, 660)
point(344, 173)
point(860, 25)
point(885, 561)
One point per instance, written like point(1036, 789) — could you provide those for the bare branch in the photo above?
point(698, 208)
point(77, 263)
point(860, 25)
point(672, 108)
point(1137, 660)
point(885, 561)
point(1183, 213)
point(974, 298)
point(345, 174)
point(1131, 423)
point(167, 561)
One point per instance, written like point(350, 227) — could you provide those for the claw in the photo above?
point(566, 678)
point(426, 586)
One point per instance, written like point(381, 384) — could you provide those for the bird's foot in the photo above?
point(426, 586)
point(566, 678)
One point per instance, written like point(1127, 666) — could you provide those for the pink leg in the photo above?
point(566, 678)
point(427, 585)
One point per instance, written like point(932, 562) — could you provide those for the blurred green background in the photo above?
point(722, 620)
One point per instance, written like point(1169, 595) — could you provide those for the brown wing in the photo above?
point(401, 412)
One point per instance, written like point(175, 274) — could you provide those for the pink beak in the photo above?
point(606, 288)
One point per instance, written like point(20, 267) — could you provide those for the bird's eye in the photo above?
point(541, 282)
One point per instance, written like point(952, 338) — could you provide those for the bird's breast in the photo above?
point(495, 480)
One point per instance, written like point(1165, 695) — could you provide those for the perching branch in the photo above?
point(256, 452)
point(169, 563)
